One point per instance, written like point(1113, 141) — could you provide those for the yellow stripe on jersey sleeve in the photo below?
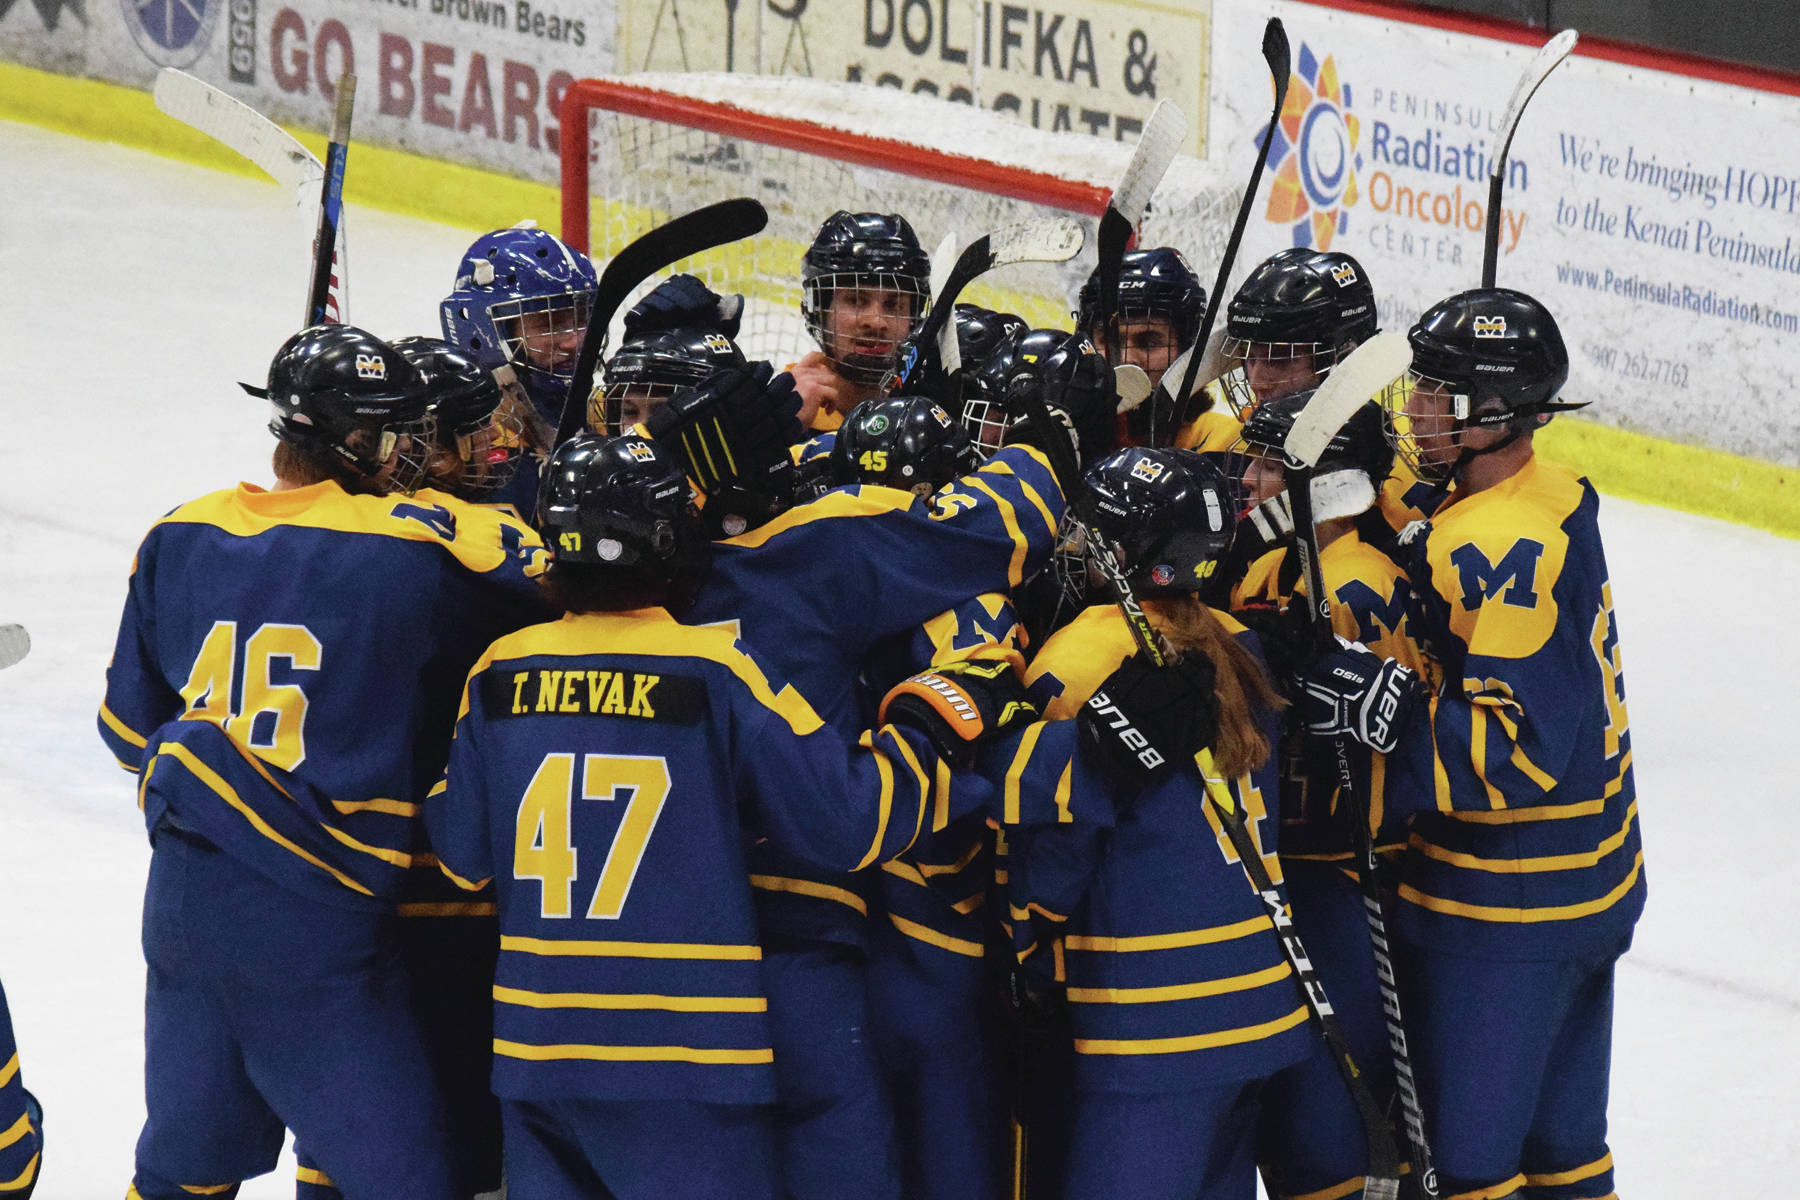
point(1525, 916)
point(1015, 570)
point(558, 947)
point(635, 1002)
point(121, 728)
point(1172, 941)
point(592, 1053)
point(1579, 860)
point(1181, 991)
point(932, 937)
point(1197, 1041)
point(809, 887)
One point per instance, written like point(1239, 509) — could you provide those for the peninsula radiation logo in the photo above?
point(1314, 154)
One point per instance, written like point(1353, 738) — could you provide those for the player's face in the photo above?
point(549, 338)
point(1276, 370)
point(869, 322)
point(1264, 477)
point(636, 405)
point(1147, 342)
point(1432, 424)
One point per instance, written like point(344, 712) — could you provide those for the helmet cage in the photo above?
point(1238, 351)
point(819, 291)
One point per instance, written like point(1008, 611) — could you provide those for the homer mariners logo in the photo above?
point(171, 33)
point(1314, 154)
point(1490, 327)
point(370, 366)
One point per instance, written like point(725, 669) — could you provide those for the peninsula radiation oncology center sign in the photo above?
point(1094, 66)
point(1657, 215)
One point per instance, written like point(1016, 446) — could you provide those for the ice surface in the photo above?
point(142, 290)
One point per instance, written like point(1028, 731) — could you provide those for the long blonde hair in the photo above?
point(1243, 688)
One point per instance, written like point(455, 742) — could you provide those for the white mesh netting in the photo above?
point(644, 170)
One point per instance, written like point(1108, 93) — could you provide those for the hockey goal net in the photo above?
point(641, 149)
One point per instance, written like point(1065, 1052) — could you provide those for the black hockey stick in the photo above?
point(1383, 1179)
point(1376, 364)
point(1279, 57)
point(331, 209)
point(1537, 70)
point(661, 248)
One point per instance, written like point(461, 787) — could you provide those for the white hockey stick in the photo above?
point(949, 349)
point(15, 644)
point(240, 128)
point(1537, 70)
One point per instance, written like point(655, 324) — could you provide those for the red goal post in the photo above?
point(638, 150)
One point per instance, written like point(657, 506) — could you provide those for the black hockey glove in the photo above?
point(1349, 692)
point(1286, 636)
point(958, 704)
point(683, 302)
point(1145, 719)
point(732, 433)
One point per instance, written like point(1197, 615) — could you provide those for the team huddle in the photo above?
point(774, 789)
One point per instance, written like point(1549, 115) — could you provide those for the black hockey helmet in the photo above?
point(1299, 303)
point(863, 250)
point(1349, 473)
point(981, 331)
point(486, 437)
point(341, 393)
point(1499, 357)
point(618, 502)
point(1071, 375)
point(906, 442)
point(1167, 513)
point(1157, 282)
point(654, 365)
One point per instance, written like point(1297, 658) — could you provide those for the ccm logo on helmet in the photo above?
point(1134, 741)
point(370, 366)
point(1492, 327)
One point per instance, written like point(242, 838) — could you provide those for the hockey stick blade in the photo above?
point(331, 210)
point(689, 234)
point(1546, 60)
point(15, 644)
point(239, 128)
point(1055, 239)
point(949, 349)
point(1279, 57)
point(1156, 147)
point(1362, 376)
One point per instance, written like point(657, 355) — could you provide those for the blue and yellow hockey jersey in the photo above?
point(1175, 977)
point(933, 896)
point(630, 966)
point(1372, 603)
point(1525, 843)
point(287, 666)
point(21, 1141)
point(816, 589)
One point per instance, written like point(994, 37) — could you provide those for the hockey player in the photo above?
point(1181, 1002)
point(1523, 876)
point(1297, 314)
point(260, 630)
point(1161, 303)
point(895, 562)
point(633, 1049)
point(927, 975)
point(21, 1119)
point(864, 290)
point(650, 366)
point(521, 300)
point(480, 432)
point(1312, 1139)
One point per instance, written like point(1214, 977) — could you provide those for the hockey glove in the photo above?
point(958, 704)
point(1349, 692)
point(683, 302)
point(1144, 718)
point(1286, 635)
point(732, 433)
